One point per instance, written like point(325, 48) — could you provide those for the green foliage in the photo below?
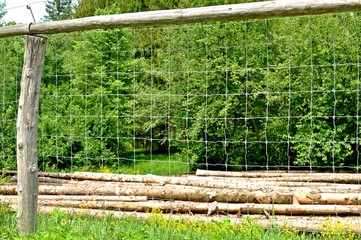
point(138, 163)
point(87, 124)
point(60, 225)
point(257, 94)
point(11, 58)
point(2, 11)
point(224, 95)
point(58, 10)
point(336, 230)
point(158, 164)
point(4, 178)
point(89, 7)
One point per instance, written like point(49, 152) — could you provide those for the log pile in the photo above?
point(267, 195)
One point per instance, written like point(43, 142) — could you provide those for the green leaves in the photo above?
point(81, 119)
point(58, 10)
point(2, 11)
point(274, 92)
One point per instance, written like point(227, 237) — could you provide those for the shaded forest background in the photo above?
point(222, 95)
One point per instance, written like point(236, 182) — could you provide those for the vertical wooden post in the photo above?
point(27, 133)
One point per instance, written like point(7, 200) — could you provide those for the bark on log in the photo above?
point(351, 179)
point(273, 193)
point(175, 192)
point(197, 207)
point(168, 192)
point(199, 173)
point(266, 187)
point(238, 176)
point(49, 180)
point(264, 182)
point(81, 198)
point(8, 190)
point(266, 174)
point(7, 172)
point(171, 192)
point(305, 180)
point(56, 175)
point(328, 198)
point(211, 182)
point(287, 177)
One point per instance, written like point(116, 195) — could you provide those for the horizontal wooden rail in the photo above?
point(256, 10)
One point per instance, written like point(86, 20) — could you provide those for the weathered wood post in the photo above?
point(27, 133)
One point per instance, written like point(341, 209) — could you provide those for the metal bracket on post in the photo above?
point(31, 11)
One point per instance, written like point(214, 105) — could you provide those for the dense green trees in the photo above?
point(88, 7)
point(11, 57)
point(58, 10)
point(85, 108)
point(2, 11)
point(265, 93)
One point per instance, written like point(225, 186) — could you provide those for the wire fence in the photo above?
point(272, 94)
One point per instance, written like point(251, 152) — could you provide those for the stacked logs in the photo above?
point(212, 193)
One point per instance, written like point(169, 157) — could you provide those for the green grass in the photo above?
point(62, 226)
point(4, 178)
point(159, 164)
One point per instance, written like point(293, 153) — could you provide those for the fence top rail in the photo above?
point(256, 10)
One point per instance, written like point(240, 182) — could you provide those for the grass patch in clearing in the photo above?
point(59, 225)
point(140, 163)
point(158, 164)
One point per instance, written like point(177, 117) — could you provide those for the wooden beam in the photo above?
point(27, 132)
point(256, 10)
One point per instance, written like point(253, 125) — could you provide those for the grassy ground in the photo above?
point(62, 226)
point(159, 164)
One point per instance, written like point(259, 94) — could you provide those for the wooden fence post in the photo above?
point(27, 133)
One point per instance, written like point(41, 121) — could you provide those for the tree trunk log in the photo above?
point(7, 172)
point(81, 198)
point(197, 207)
point(176, 192)
point(170, 192)
point(173, 192)
point(287, 177)
point(211, 182)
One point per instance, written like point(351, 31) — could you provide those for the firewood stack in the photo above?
point(267, 195)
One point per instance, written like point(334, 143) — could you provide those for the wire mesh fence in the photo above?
point(272, 94)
